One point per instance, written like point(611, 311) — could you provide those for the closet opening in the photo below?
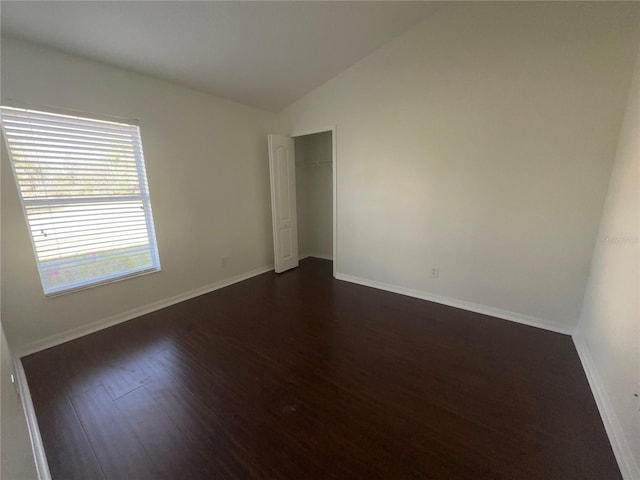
point(315, 171)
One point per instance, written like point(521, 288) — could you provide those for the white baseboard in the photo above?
point(321, 255)
point(315, 255)
point(621, 449)
point(464, 305)
point(42, 467)
point(92, 327)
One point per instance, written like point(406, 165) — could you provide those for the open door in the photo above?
point(282, 166)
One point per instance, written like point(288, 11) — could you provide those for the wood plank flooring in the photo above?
point(300, 376)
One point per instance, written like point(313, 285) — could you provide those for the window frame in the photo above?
point(144, 197)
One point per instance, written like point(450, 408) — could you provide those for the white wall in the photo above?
point(608, 335)
point(480, 142)
point(207, 166)
point(16, 458)
point(314, 189)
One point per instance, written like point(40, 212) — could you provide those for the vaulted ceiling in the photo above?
point(263, 54)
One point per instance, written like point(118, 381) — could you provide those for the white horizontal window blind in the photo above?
point(85, 197)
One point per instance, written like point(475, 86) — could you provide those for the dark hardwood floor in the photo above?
point(299, 376)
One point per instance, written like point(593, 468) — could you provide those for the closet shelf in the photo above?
point(315, 164)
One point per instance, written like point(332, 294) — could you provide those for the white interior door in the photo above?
point(282, 166)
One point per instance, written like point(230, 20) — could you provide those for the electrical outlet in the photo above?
point(224, 260)
point(435, 272)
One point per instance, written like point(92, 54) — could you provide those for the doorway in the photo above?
point(303, 197)
point(314, 194)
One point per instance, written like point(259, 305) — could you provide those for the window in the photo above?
point(85, 197)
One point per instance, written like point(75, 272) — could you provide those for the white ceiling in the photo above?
point(264, 54)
